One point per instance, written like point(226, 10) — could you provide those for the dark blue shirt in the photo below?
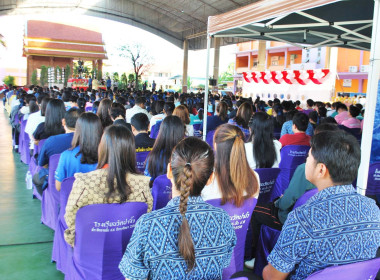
point(54, 145)
point(152, 252)
point(213, 122)
point(336, 226)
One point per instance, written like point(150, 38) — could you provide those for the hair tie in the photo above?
point(188, 164)
point(236, 136)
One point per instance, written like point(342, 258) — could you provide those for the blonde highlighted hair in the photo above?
point(235, 178)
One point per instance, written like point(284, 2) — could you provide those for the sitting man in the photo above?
point(337, 225)
point(300, 123)
point(138, 108)
point(140, 127)
point(117, 113)
point(342, 115)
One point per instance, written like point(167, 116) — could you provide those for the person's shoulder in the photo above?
point(91, 176)
point(138, 178)
point(277, 143)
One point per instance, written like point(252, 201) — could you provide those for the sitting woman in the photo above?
point(243, 115)
point(103, 112)
point(171, 132)
point(182, 112)
point(83, 155)
point(278, 117)
point(221, 117)
point(55, 112)
point(177, 241)
point(263, 150)
point(114, 181)
point(234, 180)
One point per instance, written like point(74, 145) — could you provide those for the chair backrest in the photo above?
point(140, 160)
point(196, 126)
point(38, 148)
point(53, 164)
point(373, 185)
point(66, 187)
point(155, 129)
point(161, 192)
point(102, 235)
point(304, 198)
point(210, 138)
point(365, 270)
point(293, 155)
point(240, 219)
point(268, 178)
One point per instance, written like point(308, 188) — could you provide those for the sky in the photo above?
point(115, 34)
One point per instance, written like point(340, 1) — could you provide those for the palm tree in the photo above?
point(2, 42)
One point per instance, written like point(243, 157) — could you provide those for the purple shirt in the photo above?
point(352, 123)
point(341, 117)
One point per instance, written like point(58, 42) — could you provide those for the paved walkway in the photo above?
point(25, 244)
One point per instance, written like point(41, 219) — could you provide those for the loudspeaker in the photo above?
point(212, 82)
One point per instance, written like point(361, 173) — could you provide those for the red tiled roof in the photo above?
point(53, 39)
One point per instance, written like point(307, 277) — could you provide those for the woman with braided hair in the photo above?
point(234, 180)
point(189, 238)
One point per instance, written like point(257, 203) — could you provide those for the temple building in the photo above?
point(53, 44)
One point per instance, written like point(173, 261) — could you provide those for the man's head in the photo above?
point(340, 107)
point(300, 122)
point(310, 103)
point(70, 119)
point(334, 159)
point(140, 101)
point(139, 123)
point(354, 111)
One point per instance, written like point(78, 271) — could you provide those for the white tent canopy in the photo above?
point(307, 24)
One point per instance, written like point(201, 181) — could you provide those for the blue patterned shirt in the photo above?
point(336, 226)
point(287, 128)
point(153, 251)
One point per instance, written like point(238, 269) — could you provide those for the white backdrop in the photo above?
point(284, 91)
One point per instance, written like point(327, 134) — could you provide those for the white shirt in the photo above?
point(189, 130)
point(135, 110)
point(33, 121)
point(212, 191)
point(252, 161)
point(156, 118)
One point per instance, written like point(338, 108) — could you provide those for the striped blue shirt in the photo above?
point(153, 249)
point(336, 226)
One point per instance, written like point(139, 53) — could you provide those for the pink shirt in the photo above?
point(341, 117)
point(352, 123)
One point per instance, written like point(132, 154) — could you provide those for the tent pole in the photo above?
point(371, 100)
point(205, 100)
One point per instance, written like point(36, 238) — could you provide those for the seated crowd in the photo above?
point(99, 135)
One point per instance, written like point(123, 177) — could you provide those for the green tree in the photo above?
point(131, 78)
point(9, 80)
point(67, 74)
point(123, 81)
point(34, 78)
point(115, 77)
point(227, 75)
point(189, 83)
point(44, 75)
point(139, 58)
